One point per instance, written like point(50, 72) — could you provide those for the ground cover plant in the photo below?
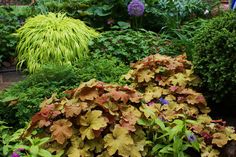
point(22, 100)
point(52, 38)
point(130, 45)
point(214, 57)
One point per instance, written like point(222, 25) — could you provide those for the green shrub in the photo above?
point(170, 14)
point(27, 94)
point(130, 46)
point(8, 25)
point(52, 38)
point(214, 57)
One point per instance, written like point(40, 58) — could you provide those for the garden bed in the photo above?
point(118, 78)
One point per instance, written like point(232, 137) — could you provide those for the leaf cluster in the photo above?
point(52, 38)
point(22, 100)
point(130, 46)
point(214, 56)
point(166, 84)
point(170, 14)
point(11, 143)
point(170, 138)
point(95, 119)
point(95, 13)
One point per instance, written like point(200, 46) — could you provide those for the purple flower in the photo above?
point(136, 8)
point(14, 154)
point(163, 101)
point(191, 137)
point(151, 103)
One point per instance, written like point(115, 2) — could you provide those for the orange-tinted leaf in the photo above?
point(220, 139)
point(61, 130)
point(88, 93)
point(119, 95)
point(72, 110)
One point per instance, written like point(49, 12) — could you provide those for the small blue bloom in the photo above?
point(191, 137)
point(233, 4)
point(163, 101)
point(136, 8)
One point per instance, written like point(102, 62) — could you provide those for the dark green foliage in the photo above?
point(182, 37)
point(8, 24)
point(130, 46)
point(95, 13)
point(170, 14)
point(29, 93)
point(215, 57)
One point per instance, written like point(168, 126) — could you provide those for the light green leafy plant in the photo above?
point(52, 38)
point(170, 139)
point(11, 143)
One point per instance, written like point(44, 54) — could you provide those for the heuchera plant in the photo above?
point(95, 119)
point(164, 119)
point(166, 83)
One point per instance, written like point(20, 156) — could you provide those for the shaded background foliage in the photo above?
point(215, 59)
point(8, 25)
point(132, 45)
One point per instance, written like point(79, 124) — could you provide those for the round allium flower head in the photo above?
point(136, 8)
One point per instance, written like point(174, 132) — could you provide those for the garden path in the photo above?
point(9, 76)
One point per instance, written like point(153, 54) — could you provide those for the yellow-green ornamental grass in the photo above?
point(52, 38)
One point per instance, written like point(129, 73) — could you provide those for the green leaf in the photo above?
point(43, 141)
point(34, 150)
point(175, 131)
point(166, 150)
point(44, 153)
point(160, 123)
point(5, 149)
point(143, 122)
point(195, 145)
point(177, 145)
point(156, 148)
point(9, 98)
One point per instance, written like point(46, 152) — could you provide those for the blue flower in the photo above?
point(163, 101)
point(191, 137)
point(136, 8)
